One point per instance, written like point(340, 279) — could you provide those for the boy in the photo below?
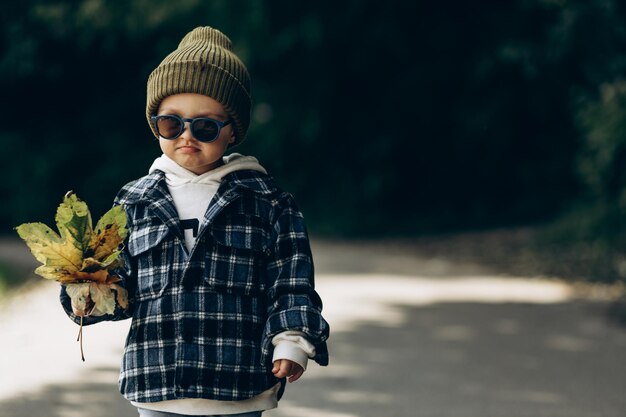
point(218, 267)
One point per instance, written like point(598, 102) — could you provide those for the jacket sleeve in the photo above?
point(292, 302)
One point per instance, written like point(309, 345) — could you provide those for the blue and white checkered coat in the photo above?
point(202, 322)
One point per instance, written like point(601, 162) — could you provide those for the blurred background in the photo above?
point(383, 119)
point(437, 150)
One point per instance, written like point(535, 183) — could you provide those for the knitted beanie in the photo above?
point(204, 63)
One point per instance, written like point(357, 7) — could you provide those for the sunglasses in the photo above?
point(204, 129)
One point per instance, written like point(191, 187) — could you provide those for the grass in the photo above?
point(10, 278)
point(526, 252)
point(534, 252)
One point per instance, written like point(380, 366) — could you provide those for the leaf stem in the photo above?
point(80, 339)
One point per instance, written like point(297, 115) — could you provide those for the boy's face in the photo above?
point(188, 152)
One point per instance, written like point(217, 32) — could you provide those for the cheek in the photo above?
point(226, 138)
point(165, 145)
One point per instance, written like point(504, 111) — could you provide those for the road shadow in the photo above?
point(444, 359)
point(472, 359)
point(404, 348)
point(99, 398)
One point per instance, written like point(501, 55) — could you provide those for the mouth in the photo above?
point(188, 148)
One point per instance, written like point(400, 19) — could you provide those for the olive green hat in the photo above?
point(204, 63)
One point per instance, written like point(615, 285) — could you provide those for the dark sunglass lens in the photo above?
point(205, 130)
point(168, 127)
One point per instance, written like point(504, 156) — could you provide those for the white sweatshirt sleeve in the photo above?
point(293, 345)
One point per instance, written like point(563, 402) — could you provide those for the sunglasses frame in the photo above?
point(183, 121)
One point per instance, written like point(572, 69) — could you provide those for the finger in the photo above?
point(278, 364)
point(284, 369)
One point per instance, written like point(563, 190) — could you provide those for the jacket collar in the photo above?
point(249, 180)
point(234, 185)
point(152, 191)
point(152, 187)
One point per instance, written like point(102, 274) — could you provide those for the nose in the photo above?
point(186, 133)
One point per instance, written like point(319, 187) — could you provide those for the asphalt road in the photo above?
point(411, 336)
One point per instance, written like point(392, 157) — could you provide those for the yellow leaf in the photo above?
point(122, 295)
point(49, 249)
point(108, 236)
point(103, 297)
point(59, 273)
point(79, 293)
point(77, 254)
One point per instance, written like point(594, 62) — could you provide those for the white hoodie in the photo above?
point(192, 193)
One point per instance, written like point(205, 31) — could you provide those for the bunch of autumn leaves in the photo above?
point(80, 256)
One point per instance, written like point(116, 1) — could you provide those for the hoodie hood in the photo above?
point(192, 193)
point(176, 175)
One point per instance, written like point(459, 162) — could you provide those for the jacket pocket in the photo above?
point(238, 254)
point(148, 245)
point(243, 231)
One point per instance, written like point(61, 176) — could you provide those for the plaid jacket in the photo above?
point(202, 322)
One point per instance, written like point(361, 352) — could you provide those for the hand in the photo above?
point(285, 367)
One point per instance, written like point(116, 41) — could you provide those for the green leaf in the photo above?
point(92, 264)
point(74, 222)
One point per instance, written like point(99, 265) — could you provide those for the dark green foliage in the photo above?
point(9, 278)
point(381, 117)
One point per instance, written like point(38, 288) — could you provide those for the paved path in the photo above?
point(411, 337)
